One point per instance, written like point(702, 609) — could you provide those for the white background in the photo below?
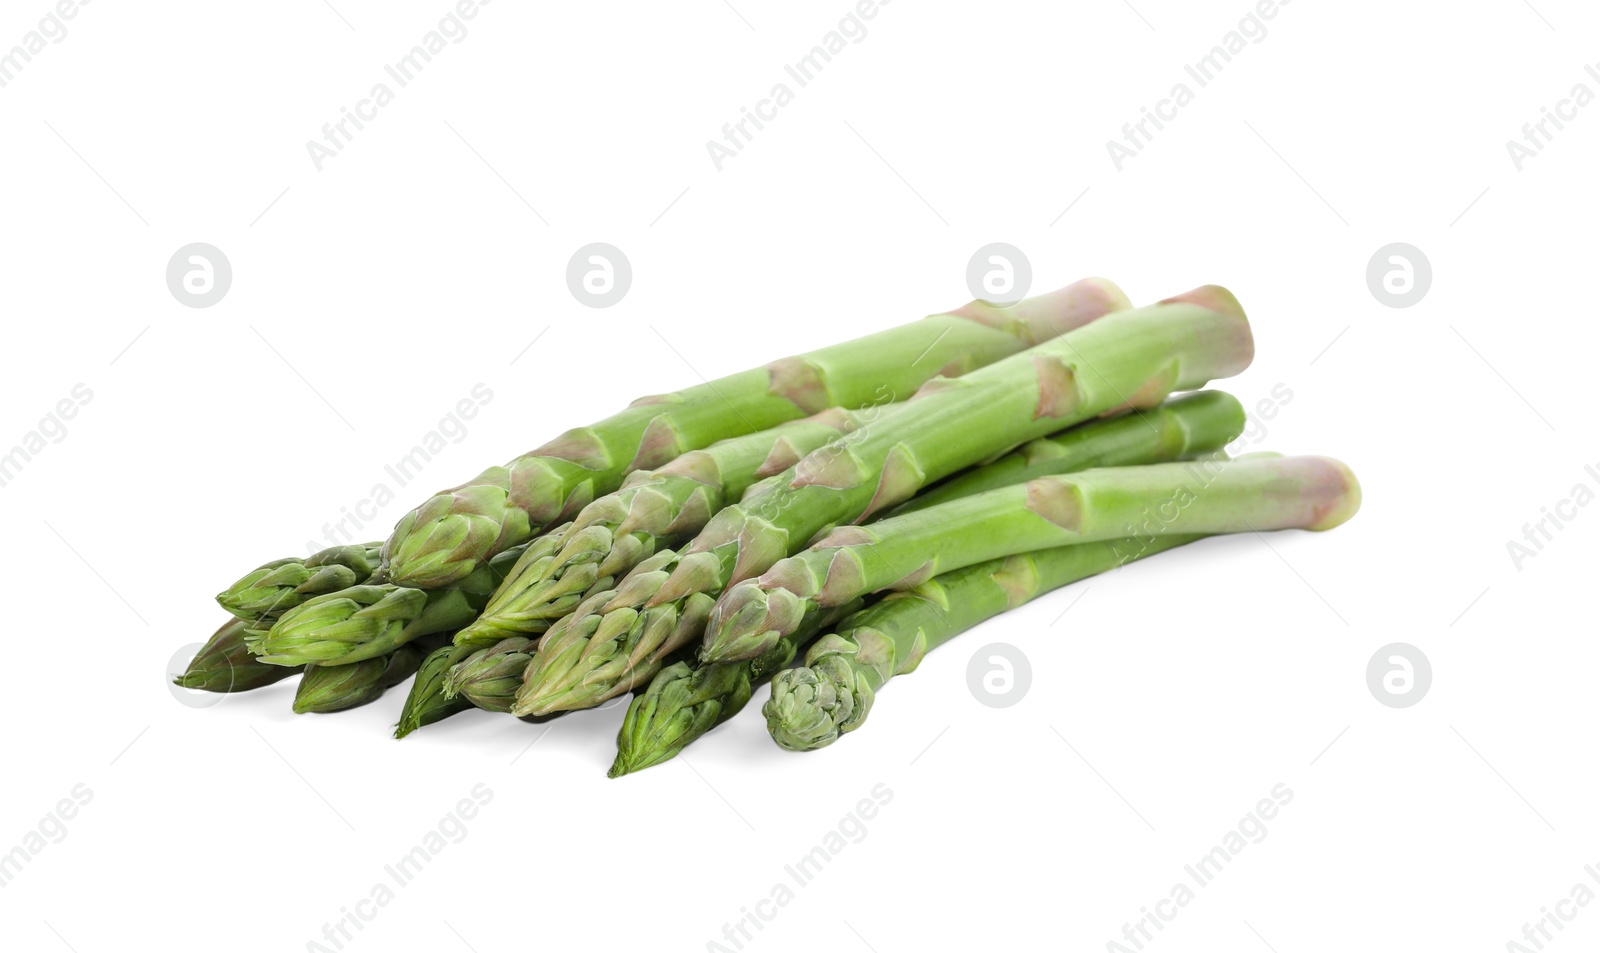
point(369, 297)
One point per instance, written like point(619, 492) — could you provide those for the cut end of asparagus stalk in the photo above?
point(1343, 494)
point(1212, 297)
point(1055, 312)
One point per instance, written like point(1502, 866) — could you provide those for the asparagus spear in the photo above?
point(365, 622)
point(369, 621)
point(427, 703)
point(457, 530)
point(654, 508)
point(329, 688)
point(1248, 494)
point(685, 700)
point(811, 706)
point(1130, 359)
point(1193, 425)
point(224, 664)
point(269, 590)
point(488, 678)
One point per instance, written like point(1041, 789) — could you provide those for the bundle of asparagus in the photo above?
point(886, 494)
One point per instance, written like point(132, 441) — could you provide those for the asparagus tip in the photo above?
point(811, 707)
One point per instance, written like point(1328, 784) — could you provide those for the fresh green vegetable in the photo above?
point(683, 702)
point(509, 611)
point(686, 699)
point(427, 703)
point(458, 530)
point(224, 663)
point(1132, 359)
point(329, 688)
point(654, 508)
point(691, 546)
point(612, 643)
point(1248, 494)
point(832, 694)
point(366, 622)
point(1194, 425)
point(268, 591)
point(489, 677)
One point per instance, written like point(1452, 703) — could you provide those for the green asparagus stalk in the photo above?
point(1132, 359)
point(457, 530)
point(509, 611)
point(366, 622)
point(269, 590)
point(654, 508)
point(330, 688)
point(427, 703)
point(1194, 425)
point(489, 678)
point(811, 706)
point(685, 700)
point(224, 664)
point(612, 643)
point(1248, 494)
